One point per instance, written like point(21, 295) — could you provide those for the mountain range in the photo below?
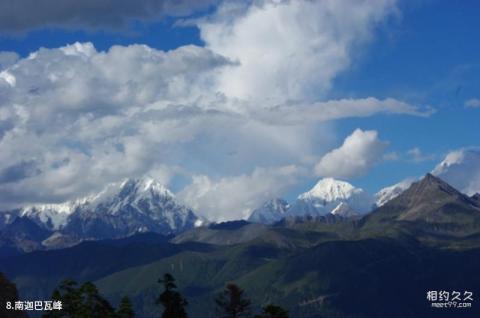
point(144, 205)
point(323, 265)
point(120, 210)
point(460, 168)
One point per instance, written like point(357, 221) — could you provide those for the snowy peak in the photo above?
point(330, 189)
point(327, 195)
point(133, 189)
point(388, 193)
point(130, 192)
point(53, 216)
point(121, 209)
point(270, 212)
point(144, 186)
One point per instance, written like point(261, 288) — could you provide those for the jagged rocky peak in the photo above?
point(432, 183)
point(144, 186)
point(54, 215)
point(134, 205)
point(144, 191)
point(120, 209)
point(432, 200)
point(428, 190)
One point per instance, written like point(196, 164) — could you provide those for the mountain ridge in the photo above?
point(347, 266)
point(119, 210)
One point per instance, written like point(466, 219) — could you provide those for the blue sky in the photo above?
point(423, 54)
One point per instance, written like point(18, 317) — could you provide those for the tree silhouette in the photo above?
point(231, 302)
point(173, 302)
point(79, 302)
point(125, 309)
point(95, 305)
point(68, 293)
point(8, 296)
point(273, 311)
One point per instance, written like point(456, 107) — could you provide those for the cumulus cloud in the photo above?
point(473, 103)
point(7, 59)
point(23, 15)
point(289, 50)
point(73, 118)
point(358, 153)
point(83, 117)
point(235, 197)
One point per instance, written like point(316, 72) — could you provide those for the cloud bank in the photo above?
point(74, 118)
point(236, 197)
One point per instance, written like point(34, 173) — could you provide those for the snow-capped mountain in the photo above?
point(329, 195)
point(270, 212)
point(461, 169)
point(121, 209)
point(388, 193)
point(52, 216)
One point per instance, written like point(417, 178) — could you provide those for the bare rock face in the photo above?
point(431, 204)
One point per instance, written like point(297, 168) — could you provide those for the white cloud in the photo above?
point(461, 169)
point(83, 118)
point(473, 103)
point(337, 109)
point(7, 59)
point(235, 197)
point(358, 153)
point(76, 119)
point(92, 117)
point(73, 118)
point(417, 155)
point(289, 50)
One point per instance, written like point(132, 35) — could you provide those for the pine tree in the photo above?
point(173, 302)
point(231, 303)
point(94, 305)
point(68, 293)
point(125, 309)
point(79, 302)
point(273, 311)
